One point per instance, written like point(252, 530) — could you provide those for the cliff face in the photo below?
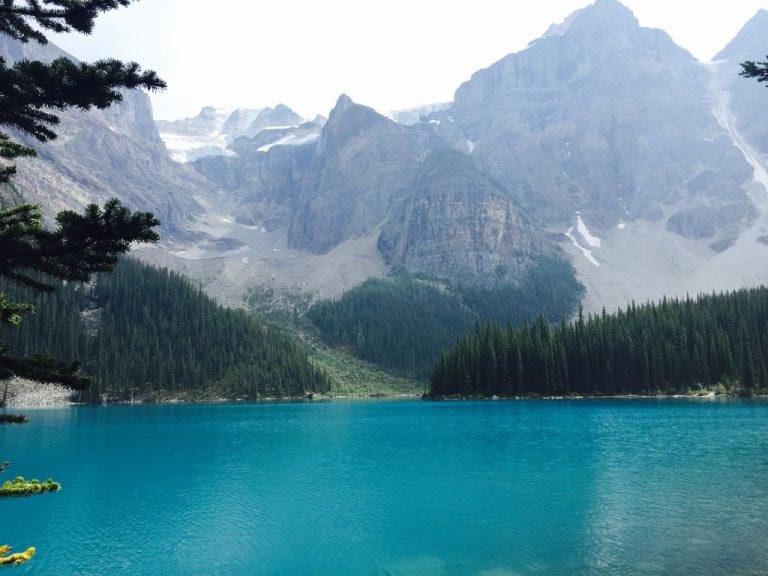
point(435, 211)
point(457, 225)
point(362, 163)
point(611, 119)
point(745, 99)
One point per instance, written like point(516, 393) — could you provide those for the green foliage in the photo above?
point(350, 376)
point(399, 322)
point(31, 91)
point(141, 331)
point(35, 257)
point(675, 346)
point(550, 288)
point(756, 70)
point(78, 247)
point(403, 323)
point(19, 19)
point(19, 487)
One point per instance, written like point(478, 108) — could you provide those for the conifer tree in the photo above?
point(32, 91)
point(756, 70)
point(31, 94)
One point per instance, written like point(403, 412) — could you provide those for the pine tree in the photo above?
point(756, 70)
point(30, 94)
point(31, 91)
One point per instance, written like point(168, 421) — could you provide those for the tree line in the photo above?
point(403, 322)
point(673, 346)
point(140, 330)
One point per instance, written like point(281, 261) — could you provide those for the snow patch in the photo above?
point(272, 128)
point(435, 122)
point(621, 225)
point(257, 228)
point(290, 140)
point(183, 148)
point(587, 252)
point(724, 118)
point(582, 229)
point(470, 146)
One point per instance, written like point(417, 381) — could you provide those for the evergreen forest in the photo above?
point(716, 342)
point(150, 334)
point(403, 322)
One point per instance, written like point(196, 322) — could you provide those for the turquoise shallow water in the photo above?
point(395, 488)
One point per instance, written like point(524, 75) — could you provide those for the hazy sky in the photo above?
point(388, 55)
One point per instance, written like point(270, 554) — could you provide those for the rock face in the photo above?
point(457, 225)
point(437, 213)
point(116, 152)
point(646, 165)
point(745, 99)
point(611, 119)
point(361, 164)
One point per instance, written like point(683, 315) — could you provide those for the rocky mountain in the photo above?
point(109, 153)
point(602, 137)
point(458, 225)
point(602, 142)
point(205, 134)
point(213, 130)
point(604, 117)
point(641, 156)
point(744, 100)
point(421, 205)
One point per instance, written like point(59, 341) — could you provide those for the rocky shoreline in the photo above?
point(28, 394)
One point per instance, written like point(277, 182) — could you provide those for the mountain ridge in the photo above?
point(614, 146)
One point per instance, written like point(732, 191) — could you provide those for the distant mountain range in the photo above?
point(603, 143)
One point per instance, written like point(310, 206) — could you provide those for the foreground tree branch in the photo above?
point(31, 95)
point(756, 70)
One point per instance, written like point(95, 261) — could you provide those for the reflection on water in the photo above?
point(395, 488)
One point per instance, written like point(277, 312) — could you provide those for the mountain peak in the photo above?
point(342, 104)
point(207, 113)
point(346, 108)
point(603, 14)
point(751, 43)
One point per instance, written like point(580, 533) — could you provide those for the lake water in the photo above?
point(394, 488)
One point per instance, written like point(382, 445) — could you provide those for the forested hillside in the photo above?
point(151, 333)
point(403, 322)
point(711, 342)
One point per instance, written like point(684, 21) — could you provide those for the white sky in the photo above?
point(388, 55)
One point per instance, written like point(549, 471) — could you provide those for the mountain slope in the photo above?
point(152, 333)
point(106, 153)
point(611, 119)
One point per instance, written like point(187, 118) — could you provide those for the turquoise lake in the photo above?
point(394, 488)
